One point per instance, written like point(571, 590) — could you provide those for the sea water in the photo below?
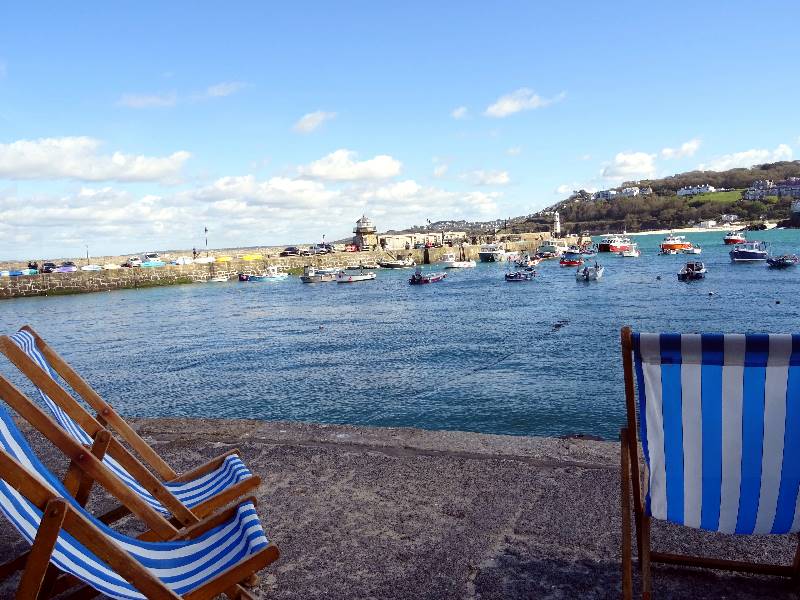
point(471, 353)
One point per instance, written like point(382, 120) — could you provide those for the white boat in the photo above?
point(692, 250)
point(313, 275)
point(345, 277)
point(111, 267)
point(631, 252)
point(219, 279)
point(587, 273)
point(397, 263)
point(449, 262)
point(553, 248)
point(182, 260)
point(204, 260)
point(91, 268)
point(492, 253)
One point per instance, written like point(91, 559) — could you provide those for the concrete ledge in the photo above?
point(403, 513)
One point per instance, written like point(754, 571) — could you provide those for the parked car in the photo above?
point(291, 251)
point(49, 267)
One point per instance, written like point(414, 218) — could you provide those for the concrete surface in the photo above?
point(403, 513)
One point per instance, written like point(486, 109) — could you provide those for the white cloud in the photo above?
point(459, 113)
point(225, 88)
point(342, 165)
point(312, 121)
point(630, 165)
point(148, 100)
point(481, 177)
point(514, 151)
point(748, 158)
point(519, 100)
point(687, 149)
point(78, 158)
point(440, 170)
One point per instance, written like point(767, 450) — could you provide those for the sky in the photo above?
point(131, 126)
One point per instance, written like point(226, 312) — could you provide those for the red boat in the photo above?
point(571, 258)
point(614, 243)
point(733, 237)
point(420, 278)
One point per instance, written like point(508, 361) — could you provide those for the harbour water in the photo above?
point(471, 353)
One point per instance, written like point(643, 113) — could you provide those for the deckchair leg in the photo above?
point(99, 447)
point(37, 567)
point(627, 568)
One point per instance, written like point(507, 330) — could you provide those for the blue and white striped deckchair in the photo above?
point(233, 547)
point(719, 424)
point(231, 475)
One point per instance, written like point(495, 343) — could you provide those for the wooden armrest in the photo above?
point(221, 516)
point(211, 465)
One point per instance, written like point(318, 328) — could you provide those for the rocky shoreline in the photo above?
point(361, 512)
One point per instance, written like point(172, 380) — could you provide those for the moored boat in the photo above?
point(397, 263)
point(692, 271)
point(219, 279)
point(588, 273)
point(527, 261)
point(449, 262)
point(782, 262)
point(111, 267)
point(348, 277)
point(492, 253)
point(521, 276)
point(613, 243)
point(552, 248)
point(571, 258)
point(91, 268)
point(749, 252)
point(674, 242)
point(692, 250)
point(153, 264)
point(632, 252)
point(420, 278)
point(734, 237)
point(313, 275)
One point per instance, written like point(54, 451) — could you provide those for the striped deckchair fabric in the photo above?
point(719, 425)
point(190, 493)
point(720, 429)
point(181, 566)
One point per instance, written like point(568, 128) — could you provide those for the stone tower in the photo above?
point(366, 233)
point(556, 225)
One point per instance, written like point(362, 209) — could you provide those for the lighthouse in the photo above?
point(366, 233)
point(556, 225)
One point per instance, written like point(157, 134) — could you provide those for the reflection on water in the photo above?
point(471, 353)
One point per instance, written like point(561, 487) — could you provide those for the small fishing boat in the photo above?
point(553, 248)
point(675, 242)
point(521, 276)
point(30, 271)
point(219, 279)
point(734, 237)
point(782, 262)
point(589, 251)
point(571, 258)
point(449, 262)
point(244, 276)
point(526, 261)
point(111, 267)
point(183, 260)
point(67, 267)
point(492, 253)
point(588, 273)
point(692, 250)
point(397, 263)
point(91, 268)
point(345, 277)
point(153, 264)
point(692, 271)
point(314, 275)
point(420, 278)
point(271, 273)
point(631, 252)
point(749, 252)
point(613, 243)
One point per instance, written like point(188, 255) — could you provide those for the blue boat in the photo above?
point(153, 263)
point(749, 252)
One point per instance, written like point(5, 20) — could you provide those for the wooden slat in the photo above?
point(99, 447)
point(626, 344)
point(88, 462)
point(236, 573)
point(105, 410)
point(58, 394)
point(212, 465)
point(37, 565)
point(722, 564)
point(217, 518)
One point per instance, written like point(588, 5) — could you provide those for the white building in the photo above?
point(556, 225)
point(693, 190)
point(729, 218)
point(629, 192)
point(707, 224)
point(604, 195)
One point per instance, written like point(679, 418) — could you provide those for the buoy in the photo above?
point(658, 277)
point(777, 301)
point(710, 293)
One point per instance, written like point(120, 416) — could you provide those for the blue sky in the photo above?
point(129, 126)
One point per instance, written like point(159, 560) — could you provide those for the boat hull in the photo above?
point(318, 278)
point(491, 256)
point(459, 264)
point(345, 278)
point(418, 279)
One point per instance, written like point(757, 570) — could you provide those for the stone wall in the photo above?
point(54, 284)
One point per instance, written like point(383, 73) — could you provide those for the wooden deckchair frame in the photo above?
point(107, 417)
point(87, 467)
point(36, 581)
point(631, 484)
